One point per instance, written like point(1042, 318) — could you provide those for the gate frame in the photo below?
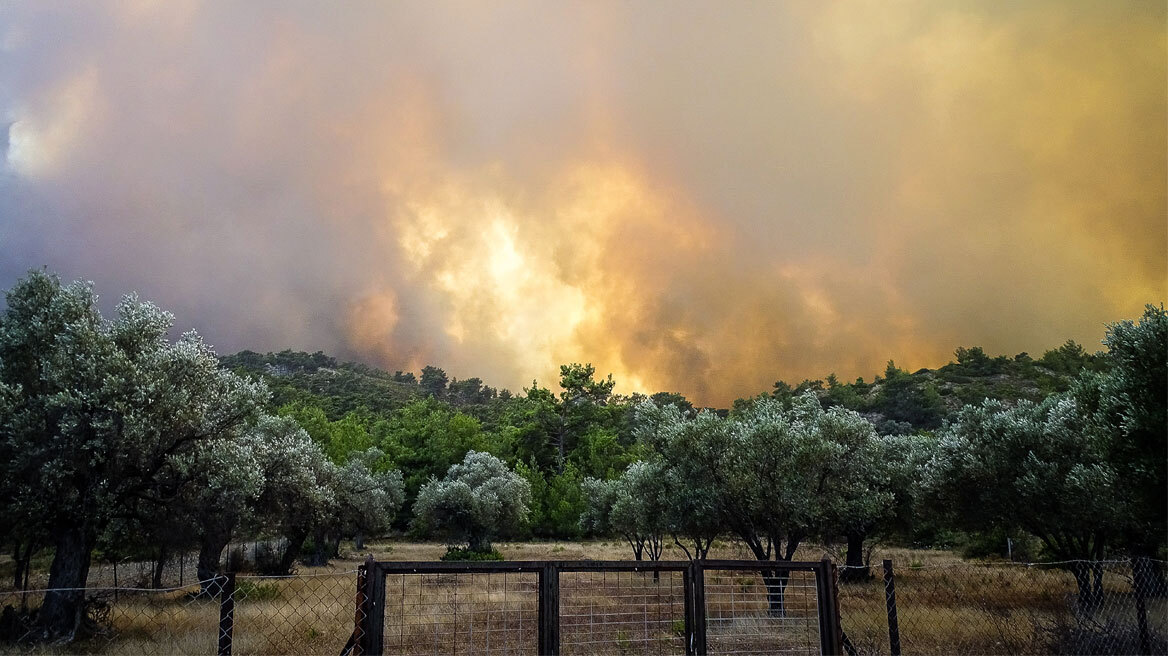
point(371, 607)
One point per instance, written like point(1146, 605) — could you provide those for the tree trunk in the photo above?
point(776, 585)
point(21, 559)
point(26, 565)
point(322, 545)
point(158, 566)
point(1088, 578)
point(359, 541)
point(211, 546)
point(292, 550)
point(63, 610)
point(854, 569)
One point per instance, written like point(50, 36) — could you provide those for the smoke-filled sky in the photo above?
point(697, 197)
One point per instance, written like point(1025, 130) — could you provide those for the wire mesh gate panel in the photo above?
point(459, 608)
point(598, 607)
point(623, 608)
point(756, 611)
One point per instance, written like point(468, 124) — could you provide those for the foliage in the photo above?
point(433, 382)
point(99, 413)
point(457, 554)
point(633, 506)
point(908, 400)
point(336, 388)
point(252, 591)
point(690, 513)
point(478, 499)
point(425, 438)
point(1133, 406)
point(1040, 466)
point(557, 501)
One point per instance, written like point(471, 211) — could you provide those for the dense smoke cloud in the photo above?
point(696, 197)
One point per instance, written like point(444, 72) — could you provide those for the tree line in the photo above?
point(116, 440)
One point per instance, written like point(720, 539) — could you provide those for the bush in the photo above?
point(992, 544)
point(457, 554)
point(252, 591)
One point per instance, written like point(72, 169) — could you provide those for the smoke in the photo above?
point(696, 198)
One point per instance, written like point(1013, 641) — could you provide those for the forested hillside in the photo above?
point(425, 422)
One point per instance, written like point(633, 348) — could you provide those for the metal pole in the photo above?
point(226, 614)
point(688, 592)
point(374, 633)
point(359, 613)
point(549, 610)
point(830, 637)
point(1140, 580)
point(890, 598)
point(699, 607)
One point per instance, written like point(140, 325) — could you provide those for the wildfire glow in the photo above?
point(694, 198)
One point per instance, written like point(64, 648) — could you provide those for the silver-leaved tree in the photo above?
point(478, 499)
point(98, 412)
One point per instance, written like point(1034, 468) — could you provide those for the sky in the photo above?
point(697, 197)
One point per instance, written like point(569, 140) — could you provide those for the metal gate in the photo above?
point(596, 607)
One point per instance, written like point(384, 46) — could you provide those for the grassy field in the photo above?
point(944, 605)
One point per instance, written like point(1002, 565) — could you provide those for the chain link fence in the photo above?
point(1074, 607)
point(240, 614)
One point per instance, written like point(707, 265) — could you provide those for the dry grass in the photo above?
point(945, 606)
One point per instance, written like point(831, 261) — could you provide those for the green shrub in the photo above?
point(458, 554)
point(992, 544)
point(252, 591)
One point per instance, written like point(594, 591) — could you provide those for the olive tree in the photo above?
point(101, 411)
point(1040, 466)
point(1133, 407)
point(690, 510)
point(777, 475)
point(478, 499)
point(882, 470)
point(633, 506)
point(225, 480)
point(298, 493)
point(364, 503)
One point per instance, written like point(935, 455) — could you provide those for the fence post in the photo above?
point(549, 610)
point(1140, 568)
point(373, 629)
point(688, 593)
point(890, 599)
point(698, 576)
point(360, 612)
point(830, 631)
point(226, 613)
